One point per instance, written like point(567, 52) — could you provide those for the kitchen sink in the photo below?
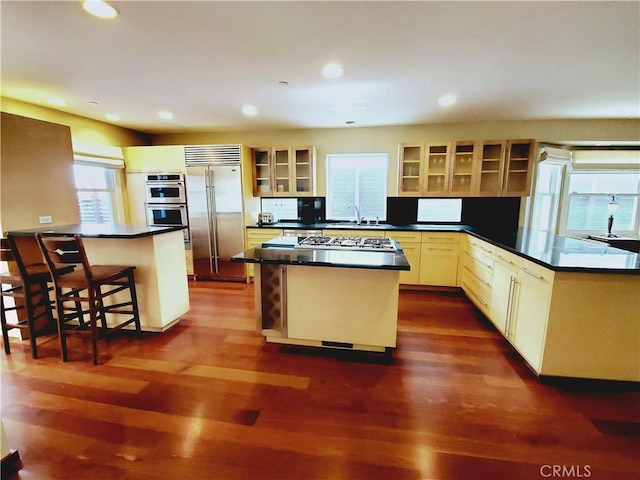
point(355, 226)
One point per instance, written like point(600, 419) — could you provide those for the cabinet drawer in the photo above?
point(481, 244)
point(256, 237)
point(480, 258)
point(404, 237)
point(440, 237)
point(480, 274)
point(478, 292)
point(536, 271)
point(508, 259)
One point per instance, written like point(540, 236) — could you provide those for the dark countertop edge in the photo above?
point(58, 231)
point(335, 264)
point(454, 228)
point(556, 268)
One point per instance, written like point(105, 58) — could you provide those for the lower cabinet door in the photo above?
point(528, 326)
point(439, 264)
point(412, 252)
point(502, 296)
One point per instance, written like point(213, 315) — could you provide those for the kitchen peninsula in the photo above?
point(315, 296)
point(156, 252)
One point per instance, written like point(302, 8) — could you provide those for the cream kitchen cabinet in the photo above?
point(503, 285)
point(475, 272)
point(439, 253)
point(160, 158)
point(491, 168)
point(410, 243)
point(284, 171)
point(424, 170)
point(527, 324)
point(256, 237)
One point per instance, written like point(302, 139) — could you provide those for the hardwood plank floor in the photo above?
point(210, 399)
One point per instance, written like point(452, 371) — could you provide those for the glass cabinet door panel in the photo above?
point(437, 166)
point(491, 162)
point(517, 178)
point(463, 169)
point(410, 169)
point(261, 172)
point(283, 171)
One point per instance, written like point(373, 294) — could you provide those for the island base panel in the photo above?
point(345, 305)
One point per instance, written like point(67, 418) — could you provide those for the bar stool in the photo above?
point(84, 288)
point(28, 286)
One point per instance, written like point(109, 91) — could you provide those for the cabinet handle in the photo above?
point(476, 297)
point(480, 279)
point(507, 324)
point(444, 249)
point(478, 261)
point(505, 259)
point(485, 249)
point(539, 277)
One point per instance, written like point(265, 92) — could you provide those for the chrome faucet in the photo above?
point(357, 212)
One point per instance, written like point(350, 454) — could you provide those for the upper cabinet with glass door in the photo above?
point(304, 170)
point(410, 168)
point(437, 169)
point(284, 172)
point(491, 168)
point(463, 169)
point(518, 168)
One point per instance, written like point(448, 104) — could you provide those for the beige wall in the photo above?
point(36, 173)
point(83, 129)
point(387, 139)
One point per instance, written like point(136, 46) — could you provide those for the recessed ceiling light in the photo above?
point(57, 102)
point(249, 110)
point(447, 100)
point(332, 70)
point(112, 116)
point(164, 114)
point(283, 83)
point(350, 122)
point(99, 9)
point(93, 104)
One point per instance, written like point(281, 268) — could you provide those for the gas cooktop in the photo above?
point(371, 244)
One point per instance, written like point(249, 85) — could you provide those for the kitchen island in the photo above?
point(156, 252)
point(326, 298)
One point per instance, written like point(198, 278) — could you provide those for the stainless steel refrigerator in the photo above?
point(216, 219)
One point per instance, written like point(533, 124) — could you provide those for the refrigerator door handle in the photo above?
point(213, 227)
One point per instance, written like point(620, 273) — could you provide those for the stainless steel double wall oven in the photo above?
point(166, 201)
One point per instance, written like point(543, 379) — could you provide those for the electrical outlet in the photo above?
point(45, 219)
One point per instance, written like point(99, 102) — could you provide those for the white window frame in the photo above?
point(566, 200)
point(356, 158)
point(116, 192)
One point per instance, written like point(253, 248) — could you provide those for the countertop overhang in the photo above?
point(88, 230)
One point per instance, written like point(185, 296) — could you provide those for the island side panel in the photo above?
point(593, 329)
point(350, 305)
point(161, 275)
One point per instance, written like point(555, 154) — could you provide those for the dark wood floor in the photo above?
point(208, 399)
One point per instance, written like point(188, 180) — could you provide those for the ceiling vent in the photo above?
point(212, 155)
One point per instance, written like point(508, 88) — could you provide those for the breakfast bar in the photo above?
point(156, 252)
point(335, 298)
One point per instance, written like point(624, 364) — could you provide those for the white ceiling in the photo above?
point(204, 60)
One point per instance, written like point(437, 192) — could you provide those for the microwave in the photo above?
point(168, 215)
point(166, 188)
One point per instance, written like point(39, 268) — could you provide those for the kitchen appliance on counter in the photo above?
point(266, 218)
point(166, 201)
point(216, 212)
point(369, 244)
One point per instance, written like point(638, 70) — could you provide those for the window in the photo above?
point(96, 187)
point(357, 180)
point(439, 210)
point(588, 194)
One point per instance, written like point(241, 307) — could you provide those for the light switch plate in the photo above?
point(45, 219)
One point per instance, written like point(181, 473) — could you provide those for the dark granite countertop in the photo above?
point(280, 251)
point(88, 230)
point(556, 252)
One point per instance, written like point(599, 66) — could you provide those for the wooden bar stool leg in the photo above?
point(30, 315)
point(60, 323)
point(5, 333)
point(95, 305)
point(134, 301)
